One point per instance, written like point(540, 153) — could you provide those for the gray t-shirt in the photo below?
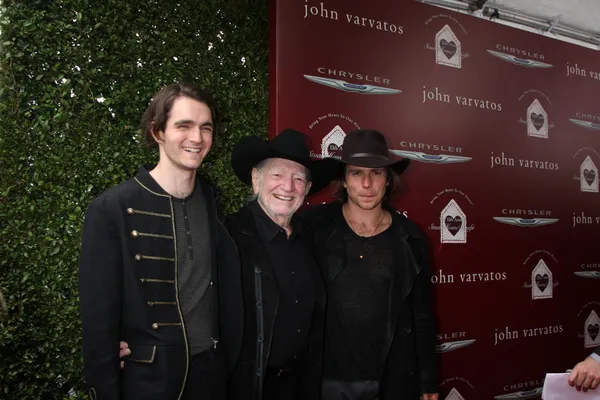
point(194, 259)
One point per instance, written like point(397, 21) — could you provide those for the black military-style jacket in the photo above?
point(128, 291)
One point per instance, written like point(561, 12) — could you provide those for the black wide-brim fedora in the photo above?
point(290, 145)
point(368, 148)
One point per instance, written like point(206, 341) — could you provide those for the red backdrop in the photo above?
point(503, 129)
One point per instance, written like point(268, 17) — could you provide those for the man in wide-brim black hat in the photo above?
point(283, 293)
point(379, 324)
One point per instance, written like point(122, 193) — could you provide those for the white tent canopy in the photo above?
point(575, 21)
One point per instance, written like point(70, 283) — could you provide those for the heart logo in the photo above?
point(589, 175)
point(542, 281)
point(453, 224)
point(333, 150)
point(449, 48)
point(537, 120)
point(593, 330)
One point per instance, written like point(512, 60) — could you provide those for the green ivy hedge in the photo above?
point(60, 146)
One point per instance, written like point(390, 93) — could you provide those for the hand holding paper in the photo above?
point(585, 375)
point(556, 387)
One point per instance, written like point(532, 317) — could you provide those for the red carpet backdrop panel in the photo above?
point(503, 130)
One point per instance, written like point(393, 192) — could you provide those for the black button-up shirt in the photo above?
point(293, 263)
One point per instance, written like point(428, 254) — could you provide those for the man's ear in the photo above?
point(255, 179)
point(159, 135)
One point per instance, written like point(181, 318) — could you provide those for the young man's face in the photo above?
point(365, 186)
point(188, 134)
point(281, 186)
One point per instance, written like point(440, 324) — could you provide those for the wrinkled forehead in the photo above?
point(284, 165)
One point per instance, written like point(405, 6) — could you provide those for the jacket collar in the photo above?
point(253, 246)
point(144, 178)
point(267, 227)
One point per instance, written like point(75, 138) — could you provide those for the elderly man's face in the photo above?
point(281, 186)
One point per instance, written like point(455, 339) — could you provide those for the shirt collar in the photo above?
point(267, 227)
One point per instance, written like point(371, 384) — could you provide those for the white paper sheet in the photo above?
point(556, 387)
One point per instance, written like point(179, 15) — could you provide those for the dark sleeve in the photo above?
point(597, 351)
point(424, 320)
point(231, 298)
point(218, 204)
point(100, 295)
point(313, 218)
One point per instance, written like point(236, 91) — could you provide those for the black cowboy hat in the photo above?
point(368, 148)
point(289, 145)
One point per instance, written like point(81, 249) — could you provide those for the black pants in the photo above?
point(207, 376)
point(280, 386)
point(350, 390)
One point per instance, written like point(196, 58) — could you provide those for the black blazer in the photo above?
point(409, 354)
point(128, 291)
point(261, 297)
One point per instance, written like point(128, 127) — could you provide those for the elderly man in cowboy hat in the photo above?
point(283, 292)
point(379, 325)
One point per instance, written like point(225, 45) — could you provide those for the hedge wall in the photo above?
point(61, 145)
